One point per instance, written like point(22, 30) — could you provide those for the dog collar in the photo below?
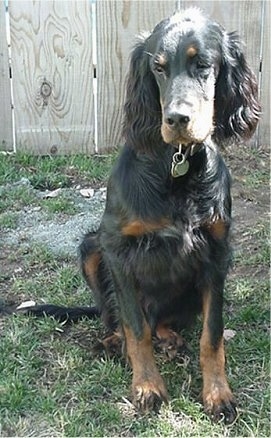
point(180, 164)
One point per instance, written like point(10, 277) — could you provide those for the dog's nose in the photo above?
point(176, 120)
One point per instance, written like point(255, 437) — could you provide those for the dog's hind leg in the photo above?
point(98, 277)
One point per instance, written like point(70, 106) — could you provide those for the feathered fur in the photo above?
point(162, 252)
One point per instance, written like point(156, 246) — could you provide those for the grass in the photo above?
point(51, 384)
point(60, 205)
point(21, 175)
point(257, 178)
point(16, 198)
point(50, 173)
point(8, 220)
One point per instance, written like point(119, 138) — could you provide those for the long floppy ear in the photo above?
point(237, 108)
point(142, 110)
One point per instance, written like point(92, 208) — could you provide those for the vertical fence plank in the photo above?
point(264, 128)
point(118, 22)
point(51, 49)
point(5, 91)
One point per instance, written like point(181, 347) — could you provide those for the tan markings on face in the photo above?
point(197, 130)
point(162, 106)
point(191, 51)
point(202, 125)
point(161, 59)
point(170, 135)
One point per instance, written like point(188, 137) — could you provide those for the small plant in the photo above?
point(60, 205)
point(8, 220)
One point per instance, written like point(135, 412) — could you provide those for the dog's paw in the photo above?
point(148, 396)
point(111, 346)
point(169, 342)
point(220, 406)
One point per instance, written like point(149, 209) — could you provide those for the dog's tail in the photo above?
point(60, 313)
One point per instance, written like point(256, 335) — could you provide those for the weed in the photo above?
point(60, 205)
point(15, 198)
point(8, 220)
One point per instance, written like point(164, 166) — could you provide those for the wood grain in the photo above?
point(264, 128)
point(6, 142)
point(52, 66)
point(51, 47)
point(118, 23)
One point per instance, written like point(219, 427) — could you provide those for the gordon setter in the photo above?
point(162, 251)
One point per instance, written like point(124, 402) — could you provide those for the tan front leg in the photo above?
point(218, 400)
point(148, 387)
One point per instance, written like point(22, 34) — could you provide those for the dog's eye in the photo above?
point(159, 69)
point(201, 65)
point(202, 69)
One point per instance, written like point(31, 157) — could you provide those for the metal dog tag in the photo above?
point(180, 166)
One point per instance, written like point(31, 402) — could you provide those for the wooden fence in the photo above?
point(63, 66)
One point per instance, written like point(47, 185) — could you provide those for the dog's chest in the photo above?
point(171, 252)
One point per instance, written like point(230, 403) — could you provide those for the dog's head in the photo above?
point(188, 80)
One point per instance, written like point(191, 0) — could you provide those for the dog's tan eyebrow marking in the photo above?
point(161, 59)
point(191, 51)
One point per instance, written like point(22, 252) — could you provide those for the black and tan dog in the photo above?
point(162, 252)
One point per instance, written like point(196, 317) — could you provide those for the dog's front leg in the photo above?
point(148, 388)
point(218, 400)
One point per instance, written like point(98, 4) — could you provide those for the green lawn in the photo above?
point(51, 384)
